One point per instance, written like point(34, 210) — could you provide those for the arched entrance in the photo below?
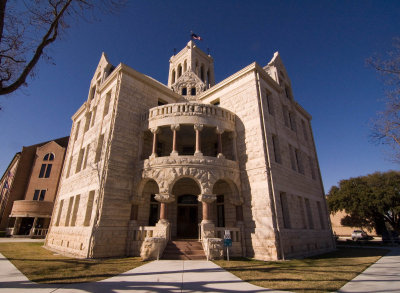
point(187, 216)
point(187, 208)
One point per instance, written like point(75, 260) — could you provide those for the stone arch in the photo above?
point(234, 195)
point(205, 178)
point(178, 178)
point(147, 183)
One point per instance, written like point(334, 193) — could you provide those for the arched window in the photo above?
point(48, 157)
point(173, 76)
point(45, 169)
point(179, 70)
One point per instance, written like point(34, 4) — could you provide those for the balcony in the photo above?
point(32, 208)
point(190, 113)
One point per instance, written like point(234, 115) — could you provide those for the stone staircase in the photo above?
point(184, 249)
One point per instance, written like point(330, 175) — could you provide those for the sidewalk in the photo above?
point(194, 276)
point(157, 276)
point(382, 276)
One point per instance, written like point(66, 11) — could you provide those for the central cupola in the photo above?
point(191, 72)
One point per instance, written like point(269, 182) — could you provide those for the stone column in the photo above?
point(174, 128)
point(219, 132)
point(232, 136)
point(207, 225)
point(155, 131)
point(198, 128)
point(31, 232)
point(163, 226)
point(17, 225)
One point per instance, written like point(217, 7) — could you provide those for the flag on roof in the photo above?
point(196, 37)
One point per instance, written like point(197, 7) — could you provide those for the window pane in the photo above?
point(36, 195)
point(42, 169)
point(51, 157)
point(48, 171)
point(42, 194)
point(46, 157)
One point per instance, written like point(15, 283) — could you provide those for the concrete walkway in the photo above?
point(157, 276)
point(193, 276)
point(382, 276)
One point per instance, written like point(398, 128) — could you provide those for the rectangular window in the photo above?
point(292, 120)
point(292, 157)
point(87, 122)
point(303, 125)
point(93, 116)
point(68, 215)
point(48, 170)
point(77, 130)
point(302, 212)
point(285, 210)
point(92, 92)
point(299, 161)
point(309, 214)
point(75, 210)
point(285, 115)
point(99, 148)
point(86, 156)
point(42, 195)
point(107, 104)
point(89, 208)
point(275, 145)
point(270, 104)
point(60, 207)
point(42, 171)
point(80, 158)
point(36, 195)
point(310, 160)
point(69, 167)
point(320, 214)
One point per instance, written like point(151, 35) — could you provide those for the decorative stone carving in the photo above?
point(165, 197)
point(152, 248)
point(189, 80)
point(208, 198)
point(215, 248)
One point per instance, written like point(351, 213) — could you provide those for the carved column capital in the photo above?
point(155, 130)
point(175, 127)
point(165, 197)
point(219, 130)
point(208, 198)
point(198, 127)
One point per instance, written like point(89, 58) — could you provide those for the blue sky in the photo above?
point(323, 44)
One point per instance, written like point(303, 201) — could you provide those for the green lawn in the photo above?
point(43, 266)
point(323, 273)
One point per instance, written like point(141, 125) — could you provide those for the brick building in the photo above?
point(29, 187)
point(149, 162)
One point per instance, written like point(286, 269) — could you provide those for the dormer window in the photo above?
point(193, 91)
point(184, 91)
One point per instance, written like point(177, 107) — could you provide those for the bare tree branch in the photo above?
point(27, 30)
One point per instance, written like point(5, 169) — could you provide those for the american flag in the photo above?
point(196, 37)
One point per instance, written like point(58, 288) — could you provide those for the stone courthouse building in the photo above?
point(149, 162)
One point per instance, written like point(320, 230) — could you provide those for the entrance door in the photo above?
point(187, 218)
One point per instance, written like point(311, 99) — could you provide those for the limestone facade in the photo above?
point(148, 163)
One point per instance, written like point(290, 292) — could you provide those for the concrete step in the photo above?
point(184, 249)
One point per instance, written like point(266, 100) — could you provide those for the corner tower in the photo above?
point(191, 72)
